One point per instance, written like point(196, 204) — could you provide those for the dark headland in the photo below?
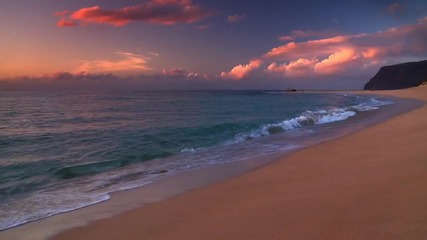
point(404, 75)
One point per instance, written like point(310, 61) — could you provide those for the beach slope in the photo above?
point(367, 185)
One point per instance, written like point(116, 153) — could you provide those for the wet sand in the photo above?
point(367, 185)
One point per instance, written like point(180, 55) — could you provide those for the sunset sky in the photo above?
point(205, 44)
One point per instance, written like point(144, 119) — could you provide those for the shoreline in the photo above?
point(120, 197)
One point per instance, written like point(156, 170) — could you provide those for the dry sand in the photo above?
point(368, 185)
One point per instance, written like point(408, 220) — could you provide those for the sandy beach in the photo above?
point(340, 185)
point(367, 185)
point(213, 120)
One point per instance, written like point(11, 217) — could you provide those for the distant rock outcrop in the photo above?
point(398, 76)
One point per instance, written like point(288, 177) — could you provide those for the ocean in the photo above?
point(60, 151)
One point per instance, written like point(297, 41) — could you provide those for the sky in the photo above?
point(205, 44)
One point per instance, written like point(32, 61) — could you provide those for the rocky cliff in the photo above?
point(398, 76)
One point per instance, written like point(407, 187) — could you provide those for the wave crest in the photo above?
point(309, 118)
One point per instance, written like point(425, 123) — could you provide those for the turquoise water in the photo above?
point(63, 151)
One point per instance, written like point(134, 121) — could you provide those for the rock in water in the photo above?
point(399, 76)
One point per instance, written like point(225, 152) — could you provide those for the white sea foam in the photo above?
point(188, 150)
point(29, 209)
point(372, 104)
point(335, 116)
point(307, 118)
point(40, 212)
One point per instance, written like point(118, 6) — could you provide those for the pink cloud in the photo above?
point(166, 12)
point(126, 62)
point(106, 81)
point(63, 21)
point(236, 18)
point(340, 54)
point(66, 23)
point(306, 49)
point(175, 72)
point(296, 68)
point(336, 61)
point(240, 71)
point(333, 64)
point(322, 57)
point(371, 52)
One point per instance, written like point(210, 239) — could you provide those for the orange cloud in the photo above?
point(166, 12)
point(127, 62)
point(371, 52)
point(236, 18)
point(322, 57)
point(334, 63)
point(341, 54)
point(240, 71)
point(296, 68)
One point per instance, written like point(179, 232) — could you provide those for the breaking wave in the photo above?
point(308, 118)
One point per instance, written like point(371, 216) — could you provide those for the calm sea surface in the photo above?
point(63, 151)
